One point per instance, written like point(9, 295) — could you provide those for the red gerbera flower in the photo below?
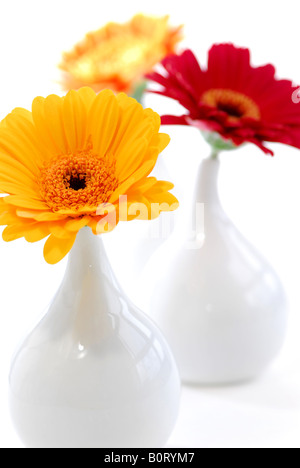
point(237, 101)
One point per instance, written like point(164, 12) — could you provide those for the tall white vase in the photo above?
point(95, 372)
point(218, 302)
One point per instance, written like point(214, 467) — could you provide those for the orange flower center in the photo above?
point(78, 181)
point(235, 104)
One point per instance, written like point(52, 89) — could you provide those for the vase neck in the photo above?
point(90, 299)
point(200, 212)
point(89, 269)
point(207, 183)
point(87, 255)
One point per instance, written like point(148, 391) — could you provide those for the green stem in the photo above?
point(214, 154)
point(138, 91)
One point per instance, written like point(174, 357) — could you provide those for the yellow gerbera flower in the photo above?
point(117, 56)
point(79, 160)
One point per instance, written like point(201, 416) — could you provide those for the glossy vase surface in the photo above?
point(217, 300)
point(95, 372)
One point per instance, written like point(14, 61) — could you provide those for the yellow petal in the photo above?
point(8, 218)
point(87, 95)
point(16, 146)
point(24, 202)
point(38, 215)
point(9, 162)
point(160, 186)
point(144, 185)
point(16, 175)
point(142, 129)
point(75, 116)
point(59, 230)
point(142, 172)
point(56, 249)
point(15, 231)
point(167, 201)
point(47, 140)
point(53, 109)
point(46, 216)
point(76, 224)
point(137, 207)
point(13, 188)
point(103, 121)
point(158, 197)
point(17, 112)
point(131, 118)
point(154, 117)
point(100, 225)
point(36, 232)
point(132, 158)
point(160, 141)
point(2, 204)
point(19, 122)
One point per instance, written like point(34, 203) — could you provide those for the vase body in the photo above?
point(219, 303)
point(95, 372)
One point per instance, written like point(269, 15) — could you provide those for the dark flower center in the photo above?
point(235, 104)
point(230, 109)
point(77, 182)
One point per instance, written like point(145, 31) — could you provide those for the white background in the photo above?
point(260, 193)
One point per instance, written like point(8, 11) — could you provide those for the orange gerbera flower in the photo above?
point(76, 161)
point(117, 56)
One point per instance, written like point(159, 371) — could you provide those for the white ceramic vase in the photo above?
point(95, 372)
point(219, 303)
